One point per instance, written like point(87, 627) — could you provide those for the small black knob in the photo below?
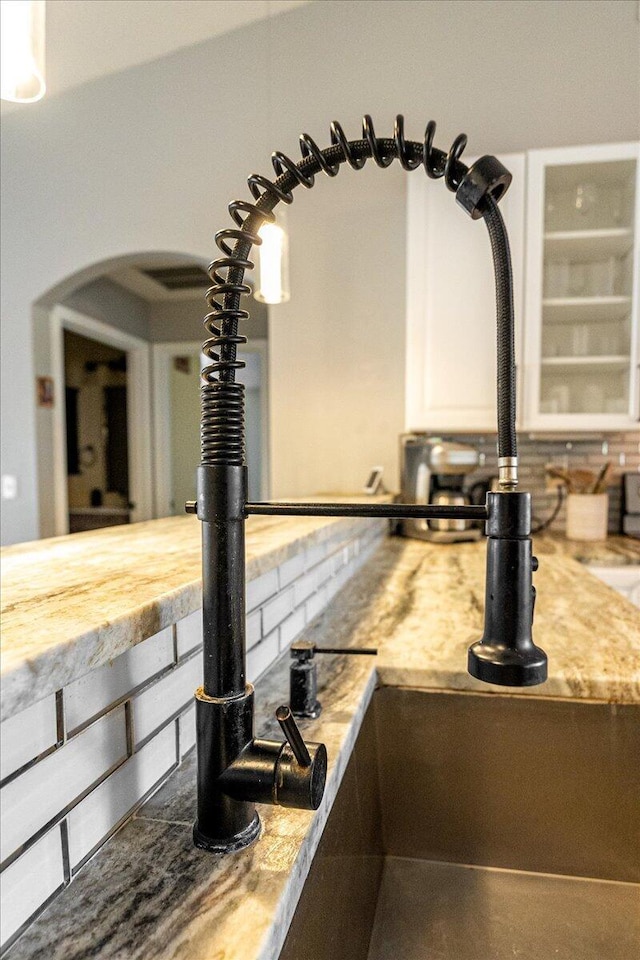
point(534, 564)
point(191, 506)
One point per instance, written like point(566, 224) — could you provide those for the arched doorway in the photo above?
point(116, 356)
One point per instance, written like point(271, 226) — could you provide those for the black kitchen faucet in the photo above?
point(235, 769)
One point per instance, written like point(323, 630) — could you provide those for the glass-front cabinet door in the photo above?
point(582, 350)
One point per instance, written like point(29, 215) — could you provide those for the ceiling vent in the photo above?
point(179, 278)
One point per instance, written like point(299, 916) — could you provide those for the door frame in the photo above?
point(162, 353)
point(138, 410)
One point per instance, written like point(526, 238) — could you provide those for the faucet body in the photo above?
point(235, 769)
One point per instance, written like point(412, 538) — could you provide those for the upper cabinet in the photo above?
point(582, 347)
point(451, 313)
point(576, 265)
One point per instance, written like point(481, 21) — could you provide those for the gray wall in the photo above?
point(147, 160)
point(175, 320)
point(107, 301)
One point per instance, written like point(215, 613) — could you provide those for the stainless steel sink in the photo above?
point(480, 827)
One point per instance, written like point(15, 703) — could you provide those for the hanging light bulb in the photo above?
point(22, 63)
point(273, 262)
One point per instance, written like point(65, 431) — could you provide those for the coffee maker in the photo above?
point(631, 504)
point(433, 471)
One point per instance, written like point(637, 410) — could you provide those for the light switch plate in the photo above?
point(9, 486)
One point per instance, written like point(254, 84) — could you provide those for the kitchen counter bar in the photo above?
point(150, 894)
point(72, 603)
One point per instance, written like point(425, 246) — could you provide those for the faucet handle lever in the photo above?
point(292, 733)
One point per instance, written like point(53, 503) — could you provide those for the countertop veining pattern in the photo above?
point(149, 895)
point(615, 551)
point(433, 608)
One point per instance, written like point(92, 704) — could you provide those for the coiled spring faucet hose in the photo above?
point(477, 190)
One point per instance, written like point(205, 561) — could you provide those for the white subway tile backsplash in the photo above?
point(340, 558)
point(165, 698)
point(292, 626)
point(315, 604)
point(254, 628)
point(332, 587)
point(262, 656)
point(305, 586)
point(262, 588)
point(279, 603)
point(93, 693)
point(343, 575)
point(189, 633)
point(26, 735)
point(187, 728)
point(29, 882)
point(290, 570)
point(313, 555)
point(324, 570)
point(92, 820)
point(43, 791)
point(275, 611)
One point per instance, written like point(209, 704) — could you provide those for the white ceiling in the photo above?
point(87, 39)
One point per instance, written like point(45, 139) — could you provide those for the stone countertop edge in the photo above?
point(73, 603)
point(239, 907)
point(273, 940)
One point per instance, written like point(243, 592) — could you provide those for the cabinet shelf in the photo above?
point(588, 244)
point(585, 309)
point(580, 363)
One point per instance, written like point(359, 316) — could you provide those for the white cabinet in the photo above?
point(576, 279)
point(582, 348)
point(451, 323)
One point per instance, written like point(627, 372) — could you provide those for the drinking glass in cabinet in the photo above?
point(580, 339)
point(602, 277)
point(556, 279)
point(586, 198)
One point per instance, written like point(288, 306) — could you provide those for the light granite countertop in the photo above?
point(615, 551)
point(150, 895)
point(72, 603)
point(591, 634)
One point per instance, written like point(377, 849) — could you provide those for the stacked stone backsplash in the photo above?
point(535, 451)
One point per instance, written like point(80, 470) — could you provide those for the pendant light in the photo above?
point(22, 62)
point(273, 262)
point(272, 280)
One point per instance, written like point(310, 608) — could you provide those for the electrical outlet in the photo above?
point(9, 486)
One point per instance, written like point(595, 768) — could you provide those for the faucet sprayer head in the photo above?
point(506, 654)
